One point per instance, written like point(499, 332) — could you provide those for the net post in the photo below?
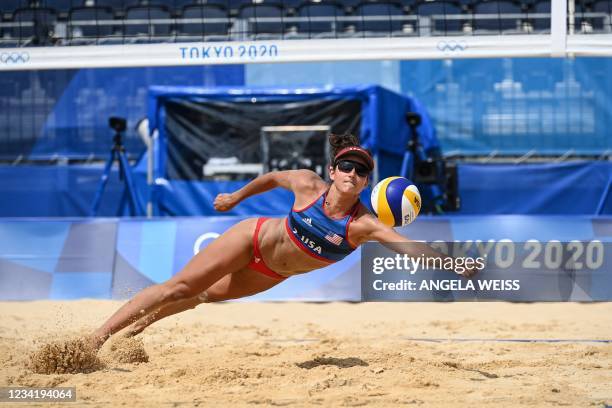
point(558, 28)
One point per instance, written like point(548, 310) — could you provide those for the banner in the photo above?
point(244, 52)
point(115, 258)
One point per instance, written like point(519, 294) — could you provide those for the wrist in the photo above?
point(236, 196)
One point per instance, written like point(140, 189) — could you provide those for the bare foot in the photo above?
point(95, 342)
point(129, 332)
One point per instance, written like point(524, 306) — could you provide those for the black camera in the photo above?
point(413, 119)
point(117, 124)
point(431, 172)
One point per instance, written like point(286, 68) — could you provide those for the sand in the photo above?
point(334, 354)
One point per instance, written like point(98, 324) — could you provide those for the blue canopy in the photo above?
point(382, 128)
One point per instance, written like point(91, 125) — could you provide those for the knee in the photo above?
point(177, 291)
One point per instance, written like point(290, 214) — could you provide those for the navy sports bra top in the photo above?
point(319, 235)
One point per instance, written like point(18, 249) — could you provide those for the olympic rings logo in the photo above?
point(14, 57)
point(198, 243)
point(452, 46)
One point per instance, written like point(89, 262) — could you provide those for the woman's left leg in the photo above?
point(245, 282)
point(227, 254)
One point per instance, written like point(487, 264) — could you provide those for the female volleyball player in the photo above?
point(327, 222)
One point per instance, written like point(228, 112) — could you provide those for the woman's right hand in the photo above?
point(225, 202)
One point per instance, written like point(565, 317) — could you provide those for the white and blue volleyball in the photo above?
point(396, 201)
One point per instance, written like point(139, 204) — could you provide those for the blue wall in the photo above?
point(65, 112)
point(478, 105)
point(515, 105)
point(481, 105)
point(542, 189)
point(383, 73)
point(58, 191)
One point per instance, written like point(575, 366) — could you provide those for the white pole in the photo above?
point(143, 131)
point(571, 11)
point(558, 28)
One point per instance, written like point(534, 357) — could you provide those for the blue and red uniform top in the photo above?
point(322, 237)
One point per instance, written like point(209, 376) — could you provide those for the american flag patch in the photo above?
point(333, 238)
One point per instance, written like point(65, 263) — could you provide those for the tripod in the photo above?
point(125, 171)
point(421, 169)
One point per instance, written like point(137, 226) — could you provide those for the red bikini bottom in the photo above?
point(257, 263)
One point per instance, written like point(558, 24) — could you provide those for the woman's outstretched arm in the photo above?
point(293, 180)
point(374, 230)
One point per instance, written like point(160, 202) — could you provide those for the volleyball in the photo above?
point(396, 201)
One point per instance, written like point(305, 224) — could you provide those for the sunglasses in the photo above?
point(346, 166)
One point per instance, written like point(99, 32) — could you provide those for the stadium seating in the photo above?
point(350, 4)
point(35, 27)
point(331, 26)
point(80, 28)
point(500, 11)
point(116, 4)
point(63, 6)
point(377, 17)
point(235, 5)
point(540, 23)
point(9, 6)
point(172, 5)
point(252, 13)
point(145, 27)
point(227, 4)
point(582, 22)
point(603, 7)
point(241, 19)
point(294, 4)
point(438, 11)
point(203, 29)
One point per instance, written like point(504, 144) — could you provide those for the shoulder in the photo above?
point(299, 180)
point(307, 180)
point(365, 219)
point(364, 225)
point(306, 185)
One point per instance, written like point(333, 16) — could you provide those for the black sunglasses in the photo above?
point(346, 166)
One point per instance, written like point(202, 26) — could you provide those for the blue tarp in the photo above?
point(565, 188)
point(56, 191)
point(554, 188)
point(68, 191)
point(383, 129)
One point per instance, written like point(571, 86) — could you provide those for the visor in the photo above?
point(356, 151)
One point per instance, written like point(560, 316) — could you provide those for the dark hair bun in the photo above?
point(339, 142)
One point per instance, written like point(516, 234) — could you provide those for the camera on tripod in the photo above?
point(118, 154)
point(117, 124)
point(431, 170)
point(413, 119)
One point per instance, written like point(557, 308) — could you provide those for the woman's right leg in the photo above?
point(165, 311)
point(239, 284)
point(229, 253)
